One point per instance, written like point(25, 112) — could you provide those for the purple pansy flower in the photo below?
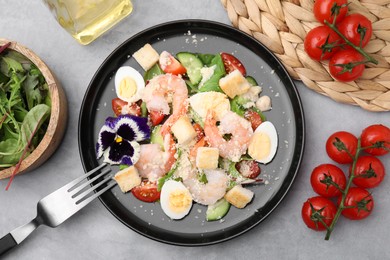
point(119, 137)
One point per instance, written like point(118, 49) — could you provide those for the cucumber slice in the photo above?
point(156, 137)
point(251, 80)
point(192, 64)
point(218, 210)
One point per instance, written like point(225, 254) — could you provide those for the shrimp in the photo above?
point(162, 90)
point(231, 123)
point(212, 191)
point(154, 162)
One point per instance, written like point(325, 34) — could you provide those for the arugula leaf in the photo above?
point(213, 83)
point(33, 121)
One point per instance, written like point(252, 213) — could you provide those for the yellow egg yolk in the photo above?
point(179, 200)
point(127, 88)
point(259, 146)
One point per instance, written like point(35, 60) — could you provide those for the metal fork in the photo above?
point(58, 206)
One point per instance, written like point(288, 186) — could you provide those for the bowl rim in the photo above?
point(58, 116)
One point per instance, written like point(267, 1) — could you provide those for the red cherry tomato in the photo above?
point(321, 43)
point(317, 208)
point(352, 24)
point(248, 169)
point(169, 64)
point(156, 117)
point(232, 63)
point(199, 131)
point(359, 202)
point(323, 178)
point(376, 134)
point(345, 65)
point(323, 10)
point(146, 192)
point(370, 172)
point(253, 117)
point(120, 106)
point(335, 144)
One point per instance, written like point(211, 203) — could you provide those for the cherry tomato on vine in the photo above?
point(346, 65)
point(232, 63)
point(354, 27)
point(316, 209)
point(338, 144)
point(360, 203)
point(321, 43)
point(146, 192)
point(374, 134)
point(323, 10)
point(370, 172)
point(324, 177)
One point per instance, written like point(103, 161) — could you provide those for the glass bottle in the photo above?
point(86, 20)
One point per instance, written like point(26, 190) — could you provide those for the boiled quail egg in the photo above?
point(129, 84)
point(176, 200)
point(264, 143)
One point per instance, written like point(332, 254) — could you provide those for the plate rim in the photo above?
point(298, 115)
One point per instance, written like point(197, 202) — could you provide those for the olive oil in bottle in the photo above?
point(86, 20)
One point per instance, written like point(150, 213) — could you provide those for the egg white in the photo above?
point(168, 188)
point(268, 129)
point(130, 72)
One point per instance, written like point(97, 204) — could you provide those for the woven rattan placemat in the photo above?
point(282, 27)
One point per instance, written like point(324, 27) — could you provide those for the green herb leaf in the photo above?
point(33, 121)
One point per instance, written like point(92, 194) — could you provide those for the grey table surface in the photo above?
point(94, 233)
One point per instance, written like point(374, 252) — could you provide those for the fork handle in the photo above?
point(6, 243)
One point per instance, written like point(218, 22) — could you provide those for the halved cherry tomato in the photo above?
point(321, 43)
point(370, 172)
point(324, 177)
point(323, 10)
point(352, 24)
point(156, 117)
point(346, 65)
point(359, 203)
point(340, 140)
point(249, 169)
point(169, 64)
point(254, 118)
point(117, 105)
point(316, 209)
point(375, 134)
point(201, 143)
point(232, 63)
point(146, 192)
point(199, 131)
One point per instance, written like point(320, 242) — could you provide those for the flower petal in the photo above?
point(106, 137)
point(132, 128)
point(122, 153)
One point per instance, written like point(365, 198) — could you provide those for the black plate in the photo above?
point(286, 114)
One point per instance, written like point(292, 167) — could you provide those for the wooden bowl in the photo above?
point(58, 117)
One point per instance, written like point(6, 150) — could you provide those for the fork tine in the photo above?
point(80, 197)
point(75, 191)
point(73, 184)
point(81, 203)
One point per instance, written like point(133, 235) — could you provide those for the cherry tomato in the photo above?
point(323, 178)
point(360, 201)
point(156, 117)
point(232, 63)
point(323, 10)
point(321, 43)
point(253, 117)
point(376, 134)
point(346, 65)
point(338, 144)
point(199, 131)
point(248, 169)
point(146, 192)
point(371, 172)
point(352, 24)
point(169, 64)
point(117, 105)
point(317, 208)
